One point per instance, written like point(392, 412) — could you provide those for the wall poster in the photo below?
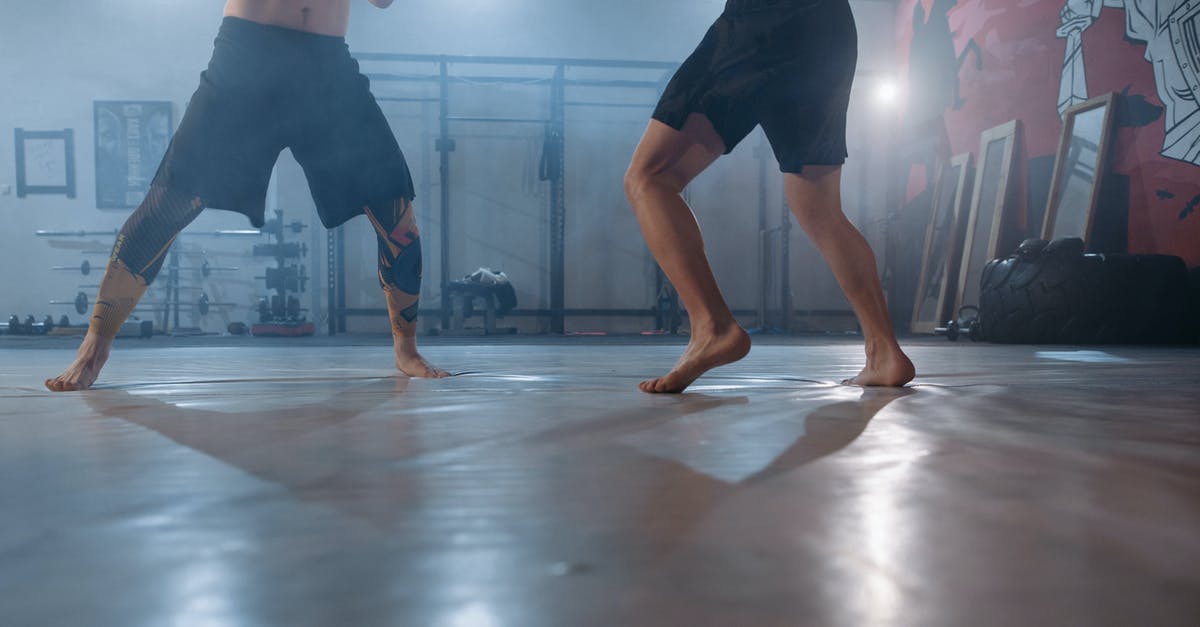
point(131, 139)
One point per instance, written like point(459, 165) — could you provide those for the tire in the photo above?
point(1054, 294)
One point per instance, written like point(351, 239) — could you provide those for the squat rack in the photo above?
point(553, 170)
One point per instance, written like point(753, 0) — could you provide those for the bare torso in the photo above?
point(324, 17)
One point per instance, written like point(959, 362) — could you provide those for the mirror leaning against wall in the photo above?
point(989, 208)
point(943, 245)
point(1079, 169)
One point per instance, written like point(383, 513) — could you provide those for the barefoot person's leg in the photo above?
point(664, 163)
point(400, 276)
point(136, 258)
point(814, 196)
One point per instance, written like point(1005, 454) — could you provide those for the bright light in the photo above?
point(887, 93)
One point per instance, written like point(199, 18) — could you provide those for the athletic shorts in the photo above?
point(268, 88)
point(785, 64)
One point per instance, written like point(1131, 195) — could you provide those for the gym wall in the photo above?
point(974, 64)
point(56, 59)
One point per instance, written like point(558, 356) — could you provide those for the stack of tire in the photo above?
point(1052, 293)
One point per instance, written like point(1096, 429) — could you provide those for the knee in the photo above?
point(639, 180)
point(403, 270)
point(817, 221)
point(635, 181)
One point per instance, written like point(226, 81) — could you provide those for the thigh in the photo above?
point(224, 150)
point(717, 81)
point(803, 109)
point(349, 154)
point(814, 195)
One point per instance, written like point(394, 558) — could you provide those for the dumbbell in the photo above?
point(30, 326)
point(277, 310)
point(966, 323)
point(287, 250)
point(277, 226)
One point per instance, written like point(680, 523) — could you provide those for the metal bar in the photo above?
point(608, 105)
point(558, 202)
point(489, 60)
point(113, 232)
point(785, 261)
point(362, 312)
point(764, 242)
point(597, 82)
point(172, 303)
point(444, 147)
point(341, 279)
point(388, 77)
point(384, 77)
point(331, 281)
point(74, 233)
point(465, 118)
point(400, 99)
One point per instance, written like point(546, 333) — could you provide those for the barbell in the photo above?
point(82, 304)
point(206, 270)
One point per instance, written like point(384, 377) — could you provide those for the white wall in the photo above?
point(57, 58)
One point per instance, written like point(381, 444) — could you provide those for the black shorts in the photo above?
point(785, 64)
point(268, 88)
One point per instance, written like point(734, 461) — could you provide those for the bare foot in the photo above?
point(411, 363)
point(704, 352)
point(888, 367)
point(93, 352)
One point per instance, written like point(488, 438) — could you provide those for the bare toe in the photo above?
point(702, 354)
point(416, 366)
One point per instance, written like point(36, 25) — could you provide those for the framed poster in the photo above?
point(45, 162)
point(131, 139)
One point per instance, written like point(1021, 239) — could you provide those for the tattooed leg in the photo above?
point(137, 257)
point(400, 277)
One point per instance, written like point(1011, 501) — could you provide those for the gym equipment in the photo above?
point(114, 232)
point(84, 268)
point(206, 270)
point(967, 324)
point(289, 250)
point(1050, 292)
point(281, 315)
point(170, 284)
point(489, 286)
point(82, 304)
point(29, 326)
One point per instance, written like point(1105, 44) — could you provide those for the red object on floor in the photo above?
point(284, 330)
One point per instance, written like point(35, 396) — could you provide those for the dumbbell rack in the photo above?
point(171, 283)
point(280, 314)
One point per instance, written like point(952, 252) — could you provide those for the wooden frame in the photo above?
point(43, 166)
point(945, 233)
point(1065, 157)
point(977, 251)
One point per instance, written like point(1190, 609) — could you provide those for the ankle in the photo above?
point(713, 326)
point(881, 347)
point(95, 342)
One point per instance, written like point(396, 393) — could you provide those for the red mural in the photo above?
point(980, 63)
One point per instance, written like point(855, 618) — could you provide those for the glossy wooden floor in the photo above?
point(306, 485)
